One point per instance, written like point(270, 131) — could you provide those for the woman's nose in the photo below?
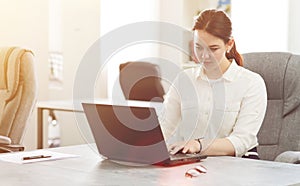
point(205, 54)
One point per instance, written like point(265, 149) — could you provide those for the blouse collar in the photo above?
point(229, 74)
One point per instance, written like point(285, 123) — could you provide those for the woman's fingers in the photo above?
point(190, 147)
point(185, 147)
point(176, 147)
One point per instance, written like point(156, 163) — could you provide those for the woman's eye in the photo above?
point(214, 49)
point(199, 48)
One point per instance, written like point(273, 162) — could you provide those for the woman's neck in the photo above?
point(218, 71)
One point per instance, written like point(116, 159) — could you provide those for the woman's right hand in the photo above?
point(191, 146)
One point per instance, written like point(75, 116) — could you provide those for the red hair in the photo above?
point(217, 23)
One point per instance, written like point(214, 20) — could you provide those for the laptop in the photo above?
point(125, 133)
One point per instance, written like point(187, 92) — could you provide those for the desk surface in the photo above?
point(76, 107)
point(91, 169)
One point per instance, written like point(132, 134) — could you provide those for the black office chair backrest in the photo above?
point(141, 81)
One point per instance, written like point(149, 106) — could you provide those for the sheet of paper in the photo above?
point(18, 157)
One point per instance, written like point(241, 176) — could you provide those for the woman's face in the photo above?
point(210, 50)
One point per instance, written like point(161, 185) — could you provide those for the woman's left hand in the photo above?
point(191, 146)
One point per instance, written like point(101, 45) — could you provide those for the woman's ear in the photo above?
point(230, 44)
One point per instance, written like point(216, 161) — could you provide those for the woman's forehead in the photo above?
point(203, 37)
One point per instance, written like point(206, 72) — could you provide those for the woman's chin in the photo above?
point(210, 65)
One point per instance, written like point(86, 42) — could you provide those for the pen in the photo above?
point(35, 157)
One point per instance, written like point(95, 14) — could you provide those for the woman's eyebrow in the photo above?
point(212, 46)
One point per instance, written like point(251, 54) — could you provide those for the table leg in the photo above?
point(40, 128)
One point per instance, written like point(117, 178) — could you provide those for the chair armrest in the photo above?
point(4, 140)
point(11, 148)
point(289, 157)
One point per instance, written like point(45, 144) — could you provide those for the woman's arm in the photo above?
point(217, 147)
point(250, 118)
point(171, 113)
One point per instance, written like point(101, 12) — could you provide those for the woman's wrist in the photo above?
point(200, 144)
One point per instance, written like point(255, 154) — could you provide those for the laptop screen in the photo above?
point(131, 125)
point(127, 133)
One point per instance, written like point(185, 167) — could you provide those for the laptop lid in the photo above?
point(128, 133)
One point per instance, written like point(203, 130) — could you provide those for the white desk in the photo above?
point(67, 106)
point(63, 105)
point(90, 169)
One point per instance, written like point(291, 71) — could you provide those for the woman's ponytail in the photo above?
point(233, 54)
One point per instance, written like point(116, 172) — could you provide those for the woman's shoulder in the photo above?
point(244, 72)
point(250, 75)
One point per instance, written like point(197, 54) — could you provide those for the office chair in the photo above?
point(18, 91)
point(279, 136)
point(141, 81)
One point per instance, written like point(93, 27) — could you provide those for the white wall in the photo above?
point(80, 28)
point(294, 27)
point(260, 25)
point(117, 13)
point(25, 24)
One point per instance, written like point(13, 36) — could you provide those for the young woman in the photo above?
point(230, 100)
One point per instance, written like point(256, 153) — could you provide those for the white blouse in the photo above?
point(231, 107)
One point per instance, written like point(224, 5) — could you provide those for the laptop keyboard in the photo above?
point(181, 155)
